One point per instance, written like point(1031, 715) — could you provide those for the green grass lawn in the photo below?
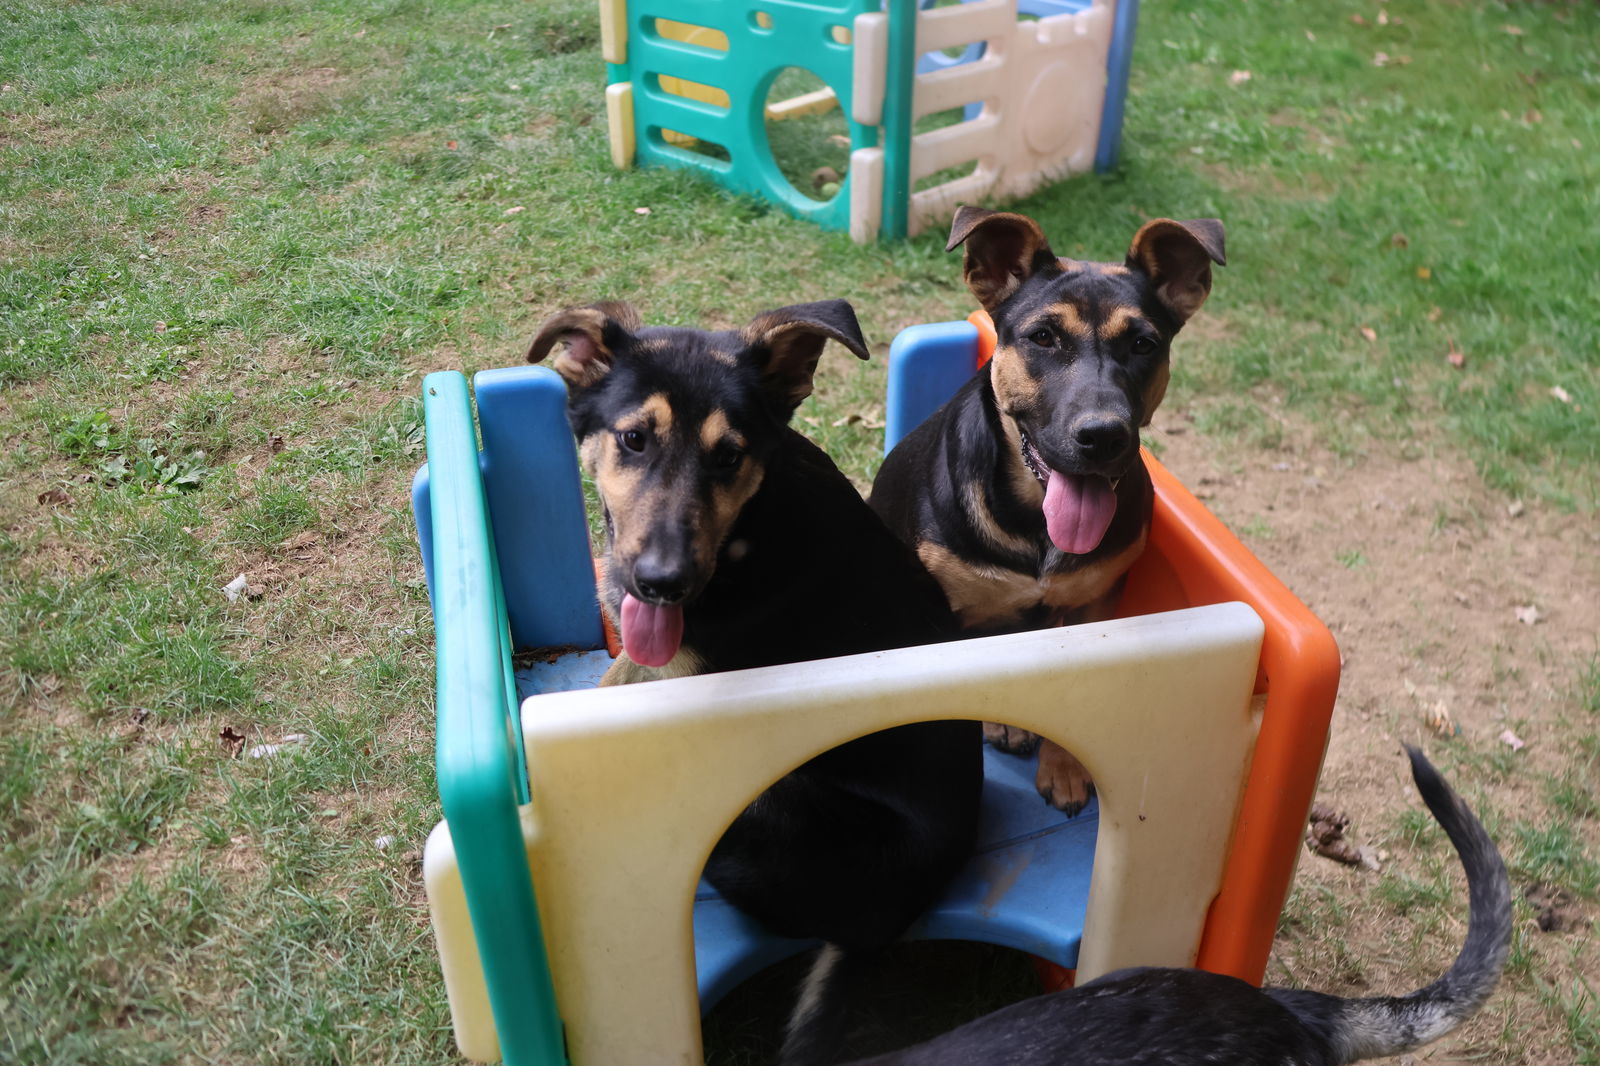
point(232, 238)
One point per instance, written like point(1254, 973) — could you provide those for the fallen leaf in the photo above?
point(1532, 116)
point(1383, 17)
point(161, 327)
point(1424, 273)
point(360, 34)
point(1239, 77)
point(56, 497)
point(1515, 508)
point(1359, 20)
point(1439, 720)
point(1512, 741)
point(1400, 240)
point(515, 210)
point(1515, 31)
point(1435, 313)
point(1369, 333)
point(641, 210)
point(1310, 36)
point(451, 145)
point(232, 741)
point(839, 140)
point(1529, 615)
point(1561, 394)
point(1455, 357)
point(276, 444)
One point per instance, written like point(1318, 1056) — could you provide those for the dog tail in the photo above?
point(815, 1032)
point(1389, 1025)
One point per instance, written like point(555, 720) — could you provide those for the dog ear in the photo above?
point(1003, 251)
point(591, 335)
point(1178, 256)
point(788, 342)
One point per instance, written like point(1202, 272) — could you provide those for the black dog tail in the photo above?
point(1390, 1025)
point(815, 1033)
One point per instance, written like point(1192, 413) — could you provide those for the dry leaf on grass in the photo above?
point(56, 498)
point(1439, 720)
point(1455, 357)
point(232, 741)
point(515, 210)
point(1369, 333)
point(1325, 836)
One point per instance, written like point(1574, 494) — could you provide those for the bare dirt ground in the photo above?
point(1421, 571)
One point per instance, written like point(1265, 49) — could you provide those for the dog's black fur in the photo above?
point(1175, 1017)
point(727, 524)
point(1080, 363)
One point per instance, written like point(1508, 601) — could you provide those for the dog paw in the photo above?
point(1010, 739)
point(1063, 781)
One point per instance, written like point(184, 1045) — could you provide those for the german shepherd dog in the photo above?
point(734, 542)
point(1176, 1017)
point(1025, 495)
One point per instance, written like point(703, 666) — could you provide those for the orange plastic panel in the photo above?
point(1192, 559)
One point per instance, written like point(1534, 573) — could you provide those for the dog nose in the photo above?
point(1101, 438)
point(659, 581)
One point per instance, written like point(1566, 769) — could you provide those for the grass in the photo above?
point(233, 237)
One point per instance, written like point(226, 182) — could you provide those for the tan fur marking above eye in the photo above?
point(1080, 587)
point(1119, 321)
point(1073, 322)
point(1154, 391)
point(983, 520)
point(658, 409)
point(715, 429)
point(980, 595)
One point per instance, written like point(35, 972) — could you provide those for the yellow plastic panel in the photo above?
point(619, 123)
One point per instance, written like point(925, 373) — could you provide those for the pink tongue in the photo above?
point(650, 634)
point(1078, 511)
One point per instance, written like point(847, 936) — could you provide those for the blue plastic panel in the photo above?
point(1119, 60)
point(530, 474)
point(927, 364)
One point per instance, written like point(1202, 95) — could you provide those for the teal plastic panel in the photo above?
point(799, 35)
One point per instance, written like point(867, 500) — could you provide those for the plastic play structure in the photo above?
point(563, 882)
point(1040, 97)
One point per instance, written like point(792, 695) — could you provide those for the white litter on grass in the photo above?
point(1512, 741)
point(267, 751)
point(235, 588)
point(384, 843)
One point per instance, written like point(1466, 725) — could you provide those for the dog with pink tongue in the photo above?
point(731, 542)
point(1025, 495)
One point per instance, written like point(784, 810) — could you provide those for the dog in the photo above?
point(1025, 495)
point(734, 542)
point(1178, 1017)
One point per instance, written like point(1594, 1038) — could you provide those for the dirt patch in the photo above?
point(276, 103)
point(1420, 571)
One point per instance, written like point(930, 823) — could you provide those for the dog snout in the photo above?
point(1101, 438)
point(662, 580)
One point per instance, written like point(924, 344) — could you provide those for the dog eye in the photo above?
point(631, 439)
point(1043, 338)
point(726, 457)
point(1143, 346)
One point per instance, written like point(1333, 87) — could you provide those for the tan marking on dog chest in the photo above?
point(624, 671)
point(976, 502)
point(1083, 586)
point(980, 595)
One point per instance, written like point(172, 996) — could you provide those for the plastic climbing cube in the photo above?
point(1037, 98)
point(564, 881)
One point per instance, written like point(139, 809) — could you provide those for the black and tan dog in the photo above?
point(1025, 495)
point(1174, 1017)
point(733, 542)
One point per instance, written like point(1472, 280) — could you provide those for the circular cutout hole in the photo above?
point(808, 133)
